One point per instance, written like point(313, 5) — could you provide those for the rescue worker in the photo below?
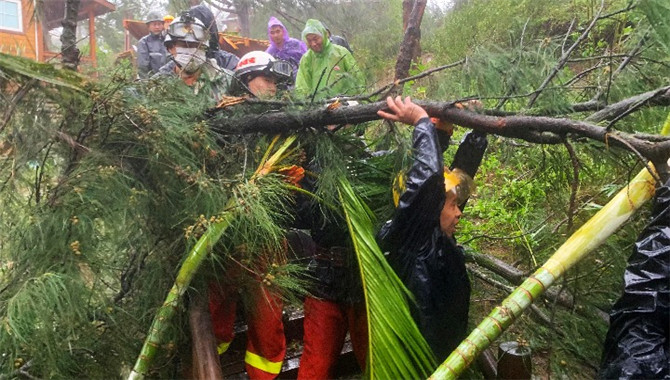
point(420, 239)
point(326, 70)
point(223, 58)
point(336, 304)
point(258, 72)
point(186, 41)
point(284, 47)
point(151, 53)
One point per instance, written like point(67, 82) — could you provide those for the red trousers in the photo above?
point(326, 324)
point(266, 343)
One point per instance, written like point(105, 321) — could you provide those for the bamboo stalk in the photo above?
point(593, 233)
point(168, 310)
point(191, 265)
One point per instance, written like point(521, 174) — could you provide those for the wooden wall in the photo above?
point(23, 43)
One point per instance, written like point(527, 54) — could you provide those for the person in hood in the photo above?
point(223, 58)
point(419, 239)
point(284, 47)
point(326, 70)
point(151, 53)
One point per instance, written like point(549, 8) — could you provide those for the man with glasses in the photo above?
point(187, 41)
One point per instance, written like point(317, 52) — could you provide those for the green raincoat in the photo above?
point(329, 73)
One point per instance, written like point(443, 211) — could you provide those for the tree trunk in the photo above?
point(69, 50)
point(406, 11)
point(411, 44)
point(534, 129)
point(242, 7)
point(206, 363)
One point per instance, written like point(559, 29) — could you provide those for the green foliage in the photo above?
point(106, 190)
point(399, 352)
point(520, 210)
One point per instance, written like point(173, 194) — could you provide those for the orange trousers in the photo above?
point(326, 324)
point(266, 343)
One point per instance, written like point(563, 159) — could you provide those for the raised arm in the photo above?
point(420, 204)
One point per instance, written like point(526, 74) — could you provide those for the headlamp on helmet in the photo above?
point(188, 29)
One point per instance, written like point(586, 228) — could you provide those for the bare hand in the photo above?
point(405, 112)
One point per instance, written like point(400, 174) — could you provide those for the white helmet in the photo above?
point(262, 63)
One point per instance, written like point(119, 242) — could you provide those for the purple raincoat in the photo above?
point(291, 51)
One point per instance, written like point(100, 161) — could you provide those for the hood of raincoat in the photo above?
point(204, 14)
point(274, 21)
point(313, 26)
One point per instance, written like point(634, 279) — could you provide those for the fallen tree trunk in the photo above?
point(534, 129)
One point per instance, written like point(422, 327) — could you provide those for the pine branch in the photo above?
point(393, 85)
point(564, 59)
point(635, 52)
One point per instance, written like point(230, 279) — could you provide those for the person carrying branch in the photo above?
point(335, 305)
point(326, 70)
point(258, 73)
point(638, 340)
point(419, 238)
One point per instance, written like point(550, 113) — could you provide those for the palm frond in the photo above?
point(397, 350)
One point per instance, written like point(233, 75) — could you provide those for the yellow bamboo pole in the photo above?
point(593, 233)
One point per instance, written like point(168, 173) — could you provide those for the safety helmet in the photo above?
point(168, 18)
point(188, 29)
point(455, 181)
point(154, 16)
point(458, 182)
point(260, 62)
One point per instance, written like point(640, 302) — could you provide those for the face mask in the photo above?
point(190, 59)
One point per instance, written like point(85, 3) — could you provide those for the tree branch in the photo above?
point(534, 129)
point(660, 96)
point(414, 77)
